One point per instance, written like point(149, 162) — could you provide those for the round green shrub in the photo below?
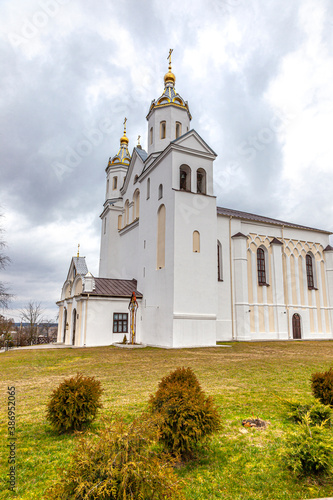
point(74, 403)
point(308, 450)
point(317, 411)
point(322, 386)
point(186, 415)
point(123, 462)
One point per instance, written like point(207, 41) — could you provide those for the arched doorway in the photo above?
point(65, 322)
point(74, 326)
point(297, 334)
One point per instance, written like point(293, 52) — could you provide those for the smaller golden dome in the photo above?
point(124, 139)
point(169, 77)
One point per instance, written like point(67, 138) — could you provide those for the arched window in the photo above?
point(120, 222)
point(261, 266)
point(107, 188)
point(196, 241)
point(160, 191)
point(185, 178)
point(201, 181)
point(178, 129)
point(135, 179)
point(136, 200)
point(126, 217)
point(219, 262)
point(161, 237)
point(162, 130)
point(114, 183)
point(151, 135)
point(310, 272)
point(148, 188)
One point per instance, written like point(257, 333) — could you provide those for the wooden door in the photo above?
point(297, 334)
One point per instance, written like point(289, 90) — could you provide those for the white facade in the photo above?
point(202, 273)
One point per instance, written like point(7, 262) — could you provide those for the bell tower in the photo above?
point(116, 171)
point(168, 117)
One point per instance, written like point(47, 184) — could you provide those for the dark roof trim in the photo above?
point(228, 212)
point(108, 287)
point(239, 235)
point(275, 241)
point(329, 248)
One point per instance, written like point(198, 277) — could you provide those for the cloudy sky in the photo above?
point(258, 76)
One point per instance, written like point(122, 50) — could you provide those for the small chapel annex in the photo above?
point(201, 273)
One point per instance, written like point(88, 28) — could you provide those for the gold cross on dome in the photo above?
point(125, 124)
point(139, 136)
point(169, 56)
point(78, 250)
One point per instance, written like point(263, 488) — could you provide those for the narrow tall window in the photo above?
point(178, 129)
point(104, 223)
point(120, 222)
point(136, 199)
point(309, 272)
point(161, 237)
point(185, 178)
point(148, 189)
point(261, 266)
point(162, 130)
point(115, 182)
point(151, 135)
point(196, 241)
point(107, 188)
point(201, 181)
point(219, 262)
point(126, 218)
point(160, 191)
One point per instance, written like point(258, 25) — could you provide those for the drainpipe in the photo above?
point(231, 284)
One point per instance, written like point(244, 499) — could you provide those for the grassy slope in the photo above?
point(245, 379)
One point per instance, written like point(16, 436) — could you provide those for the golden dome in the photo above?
point(124, 139)
point(169, 77)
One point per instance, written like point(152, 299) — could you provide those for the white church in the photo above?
point(201, 273)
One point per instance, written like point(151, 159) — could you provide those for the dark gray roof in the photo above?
point(259, 218)
point(80, 265)
point(142, 153)
point(109, 287)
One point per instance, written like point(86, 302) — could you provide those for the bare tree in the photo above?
point(45, 328)
point(5, 296)
point(6, 327)
point(32, 314)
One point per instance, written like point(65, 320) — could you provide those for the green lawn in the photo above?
point(245, 379)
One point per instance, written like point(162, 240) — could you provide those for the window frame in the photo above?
point(219, 261)
point(310, 271)
point(123, 321)
point(178, 130)
point(262, 262)
point(163, 129)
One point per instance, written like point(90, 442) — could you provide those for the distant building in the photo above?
point(201, 273)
